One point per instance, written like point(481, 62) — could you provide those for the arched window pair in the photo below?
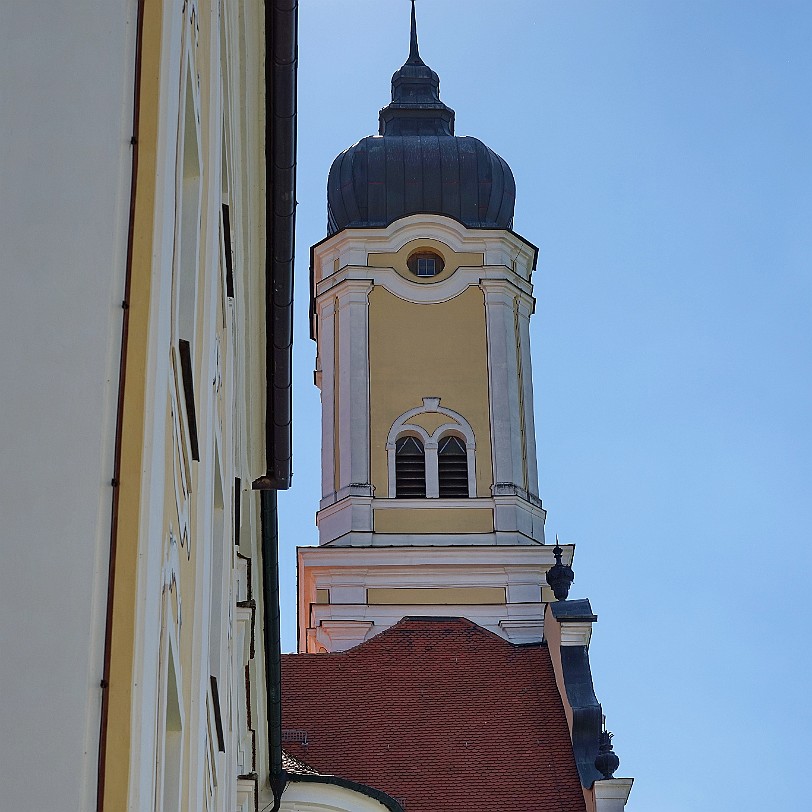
point(410, 468)
point(434, 465)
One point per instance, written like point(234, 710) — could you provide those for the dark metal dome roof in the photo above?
point(416, 165)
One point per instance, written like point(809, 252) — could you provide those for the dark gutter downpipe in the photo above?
point(281, 53)
point(101, 773)
point(281, 18)
point(272, 647)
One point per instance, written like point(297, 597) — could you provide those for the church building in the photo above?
point(440, 664)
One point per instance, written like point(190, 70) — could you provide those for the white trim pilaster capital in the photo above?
point(611, 794)
point(326, 306)
point(505, 291)
point(340, 635)
point(352, 291)
point(578, 633)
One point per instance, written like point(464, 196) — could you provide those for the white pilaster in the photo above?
point(353, 382)
point(326, 316)
point(506, 434)
point(525, 310)
point(432, 472)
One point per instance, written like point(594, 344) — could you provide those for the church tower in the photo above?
point(422, 298)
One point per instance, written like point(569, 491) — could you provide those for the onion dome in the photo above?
point(416, 165)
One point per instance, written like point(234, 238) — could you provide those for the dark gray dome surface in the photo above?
point(385, 177)
point(416, 165)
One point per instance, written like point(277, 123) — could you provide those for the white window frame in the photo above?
point(457, 425)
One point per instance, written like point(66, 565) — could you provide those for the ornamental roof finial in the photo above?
point(414, 53)
point(560, 576)
point(606, 762)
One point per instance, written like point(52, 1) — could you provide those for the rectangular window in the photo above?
point(189, 394)
point(218, 719)
point(227, 251)
point(425, 266)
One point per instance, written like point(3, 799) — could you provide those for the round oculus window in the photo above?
point(425, 264)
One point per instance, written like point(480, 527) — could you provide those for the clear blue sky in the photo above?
point(662, 159)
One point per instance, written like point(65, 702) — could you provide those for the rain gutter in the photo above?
point(281, 20)
point(280, 214)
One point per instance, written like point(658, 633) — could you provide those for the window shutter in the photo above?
point(410, 468)
point(452, 467)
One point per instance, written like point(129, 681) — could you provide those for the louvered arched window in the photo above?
point(410, 468)
point(452, 467)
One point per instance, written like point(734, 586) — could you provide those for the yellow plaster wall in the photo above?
point(428, 350)
point(119, 722)
point(433, 520)
point(444, 596)
point(123, 717)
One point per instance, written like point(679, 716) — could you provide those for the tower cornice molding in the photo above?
point(352, 245)
point(501, 277)
point(360, 559)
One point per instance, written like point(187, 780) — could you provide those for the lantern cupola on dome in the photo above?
point(416, 165)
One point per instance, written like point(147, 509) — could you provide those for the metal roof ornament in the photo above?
point(416, 108)
point(414, 53)
point(606, 762)
point(560, 576)
point(416, 165)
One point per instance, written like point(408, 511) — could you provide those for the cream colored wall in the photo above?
point(170, 542)
point(428, 350)
point(70, 260)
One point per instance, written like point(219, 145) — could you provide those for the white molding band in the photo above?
point(351, 245)
point(425, 293)
point(347, 572)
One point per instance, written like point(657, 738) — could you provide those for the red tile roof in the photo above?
point(440, 714)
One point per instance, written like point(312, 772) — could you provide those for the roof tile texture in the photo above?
point(440, 714)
